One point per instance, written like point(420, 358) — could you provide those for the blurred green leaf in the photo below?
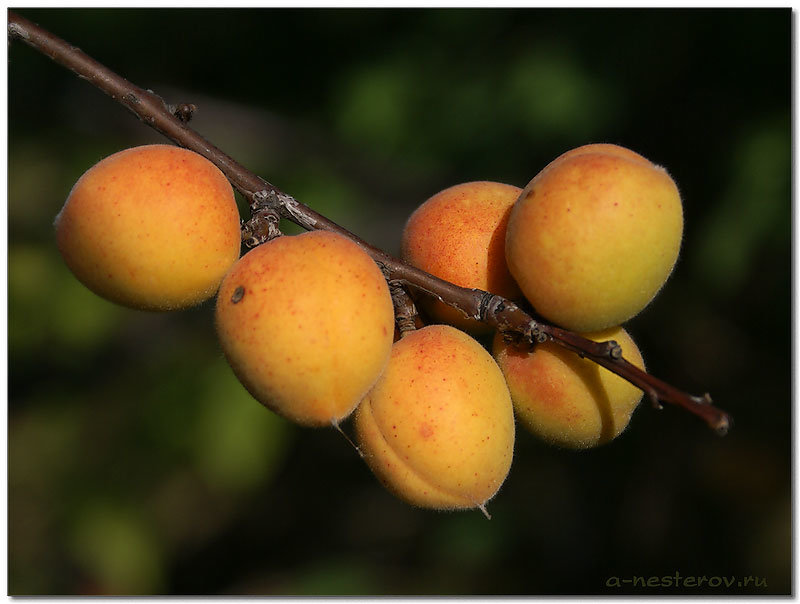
point(237, 443)
point(375, 108)
point(117, 549)
point(50, 307)
point(753, 212)
point(552, 94)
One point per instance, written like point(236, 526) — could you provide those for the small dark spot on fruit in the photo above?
point(238, 294)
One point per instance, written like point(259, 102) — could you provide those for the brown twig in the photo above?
point(405, 311)
point(263, 223)
point(267, 202)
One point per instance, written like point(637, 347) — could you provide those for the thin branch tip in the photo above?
point(723, 425)
point(655, 401)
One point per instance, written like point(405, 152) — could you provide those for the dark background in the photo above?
point(138, 465)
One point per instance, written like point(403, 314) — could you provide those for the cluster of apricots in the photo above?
point(307, 322)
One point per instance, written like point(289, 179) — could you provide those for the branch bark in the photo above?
point(267, 202)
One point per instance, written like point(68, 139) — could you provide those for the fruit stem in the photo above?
point(405, 311)
point(263, 223)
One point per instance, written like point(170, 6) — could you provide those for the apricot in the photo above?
point(564, 399)
point(153, 228)
point(459, 235)
point(594, 236)
point(307, 323)
point(438, 427)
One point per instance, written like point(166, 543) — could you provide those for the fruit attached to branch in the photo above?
point(307, 323)
point(594, 236)
point(153, 227)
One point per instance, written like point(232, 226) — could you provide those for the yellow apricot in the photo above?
point(153, 227)
point(594, 236)
point(438, 427)
point(306, 322)
point(459, 235)
point(564, 399)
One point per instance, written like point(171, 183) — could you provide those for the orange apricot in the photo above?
point(153, 227)
point(438, 426)
point(594, 236)
point(564, 399)
point(459, 235)
point(307, 323)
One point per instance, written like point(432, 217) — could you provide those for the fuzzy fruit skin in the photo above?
point(438, 427)
point(565, 400)
point(153, 228)
point(459, 235)
point(594, 236)
point(608, 149)
point(306, 322)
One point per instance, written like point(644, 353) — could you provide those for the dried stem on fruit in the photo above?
point(264, 219)
point(405, 311)
point(268, 202)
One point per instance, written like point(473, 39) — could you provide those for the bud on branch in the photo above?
point(268, 203)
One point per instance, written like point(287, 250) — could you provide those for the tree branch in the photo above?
point(267, 202)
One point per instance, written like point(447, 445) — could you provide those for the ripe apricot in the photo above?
point(153, 227)
point(564, 399)
point(459, 235)
point(438, 427)
point(306, 322)
point(594, 236)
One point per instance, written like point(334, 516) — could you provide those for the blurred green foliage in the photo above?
point(138, 465)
